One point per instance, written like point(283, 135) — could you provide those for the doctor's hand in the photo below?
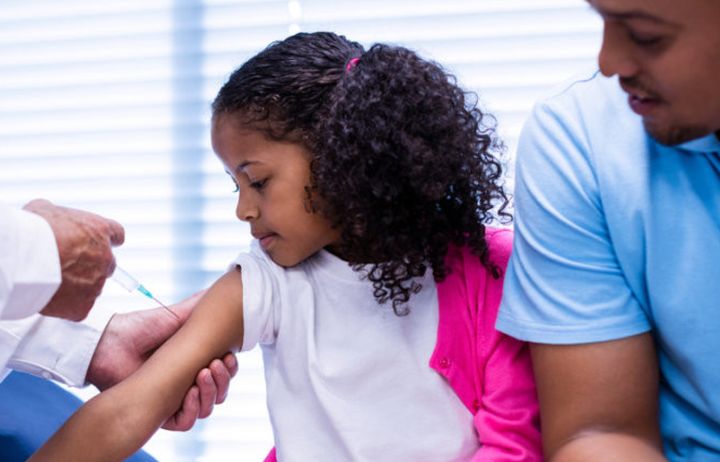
point(84, 241)
point(130, 338)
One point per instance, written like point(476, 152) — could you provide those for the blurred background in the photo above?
point(105, 106)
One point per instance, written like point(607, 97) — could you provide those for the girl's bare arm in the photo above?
point(116, 423)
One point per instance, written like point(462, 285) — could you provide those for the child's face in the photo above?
point(271, 177)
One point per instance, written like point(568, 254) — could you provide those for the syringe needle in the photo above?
point(147, 293)
point(167, 308)
point(123, 278)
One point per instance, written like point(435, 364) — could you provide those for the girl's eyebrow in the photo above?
point(243, 165)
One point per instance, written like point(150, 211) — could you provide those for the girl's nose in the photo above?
point(616, 54)
point(246, 210)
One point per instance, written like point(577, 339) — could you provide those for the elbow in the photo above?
point(604, 444)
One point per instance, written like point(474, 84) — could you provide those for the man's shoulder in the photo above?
point(588, 115)
point(588, 100)
point(589, 86)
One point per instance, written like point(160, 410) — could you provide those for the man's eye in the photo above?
point(645, 40)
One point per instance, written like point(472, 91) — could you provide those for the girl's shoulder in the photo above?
point(499, 241)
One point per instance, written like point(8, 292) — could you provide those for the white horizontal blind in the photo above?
point(105, 106)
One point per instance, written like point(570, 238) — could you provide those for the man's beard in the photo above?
point(670, 134)
point(675, 134)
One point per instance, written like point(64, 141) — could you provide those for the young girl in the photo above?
point(373, 283)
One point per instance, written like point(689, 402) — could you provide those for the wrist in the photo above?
point(100, 368)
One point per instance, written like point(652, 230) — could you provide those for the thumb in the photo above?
point(116, 231)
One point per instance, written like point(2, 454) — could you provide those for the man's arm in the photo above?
point(599, 399)
point(608, 446)
point(566, 284)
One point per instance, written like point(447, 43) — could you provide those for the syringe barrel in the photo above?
point(124, 279)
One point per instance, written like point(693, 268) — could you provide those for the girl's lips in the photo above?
point(266, 240)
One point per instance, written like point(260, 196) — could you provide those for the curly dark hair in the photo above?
point(404, 162)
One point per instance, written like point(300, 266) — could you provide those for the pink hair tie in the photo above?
point(352, 63)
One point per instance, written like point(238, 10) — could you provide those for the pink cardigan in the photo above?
point(490, 372)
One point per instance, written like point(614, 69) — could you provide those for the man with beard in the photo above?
point(615, 273)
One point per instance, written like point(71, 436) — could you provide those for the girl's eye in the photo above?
point(258, 185)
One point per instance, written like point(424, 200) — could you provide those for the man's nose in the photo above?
point(616, 54)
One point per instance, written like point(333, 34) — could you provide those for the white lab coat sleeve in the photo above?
point(52, 348)
point(29, 263)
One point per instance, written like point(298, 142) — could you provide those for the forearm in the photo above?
point(119, 421)
point(116, 423)
point(603, 446)
point(107, 428)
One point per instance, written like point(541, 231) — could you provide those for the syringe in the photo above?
point(123, 278)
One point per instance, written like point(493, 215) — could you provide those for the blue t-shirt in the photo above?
point(617, 235)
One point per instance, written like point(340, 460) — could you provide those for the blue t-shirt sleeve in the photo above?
point(563, 284)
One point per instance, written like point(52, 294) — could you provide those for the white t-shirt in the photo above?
point(346, 378)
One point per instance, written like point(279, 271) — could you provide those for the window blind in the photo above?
point(105, 106)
